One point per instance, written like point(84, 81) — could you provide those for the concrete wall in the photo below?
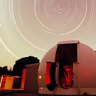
point(31, 81)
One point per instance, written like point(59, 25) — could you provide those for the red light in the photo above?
point(48, 74)
point(66, 82)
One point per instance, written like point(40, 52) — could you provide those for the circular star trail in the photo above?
point(31, 27)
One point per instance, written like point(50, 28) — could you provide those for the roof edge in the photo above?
point(69, 42)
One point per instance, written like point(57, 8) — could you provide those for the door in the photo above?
point(66, 55)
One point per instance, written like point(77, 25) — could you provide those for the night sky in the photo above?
point(32, 27)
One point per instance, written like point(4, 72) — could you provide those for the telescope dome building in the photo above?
point(68, 68)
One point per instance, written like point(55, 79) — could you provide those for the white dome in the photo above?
point(84, 68)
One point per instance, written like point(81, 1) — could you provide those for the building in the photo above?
point(68, 68)
point(80, 62)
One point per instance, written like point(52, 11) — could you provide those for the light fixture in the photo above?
point(41, 88)
point(40, 76)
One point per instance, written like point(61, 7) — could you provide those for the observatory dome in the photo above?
point(68, 67)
